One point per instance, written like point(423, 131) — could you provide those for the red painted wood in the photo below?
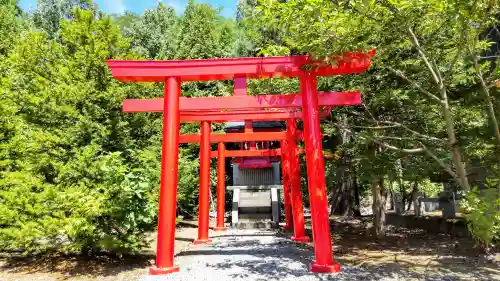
point(265, 152)
point(247, 153)
point(236, 116)
point(236, 137)
point(240, 86)
point(168, 180)
point(316, 177)
point(285, 175)
point(299, 234)
point(204, 195)
point(221, 186)
point(229, 68)
point(256, 115)
point(242, 102)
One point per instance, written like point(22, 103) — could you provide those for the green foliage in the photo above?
point(197, 32)
point(408, 114)
point(67, 180)
point(9, 24)
point(482, 209)
point(152, 35)
point(78, 175)
point(50, 13)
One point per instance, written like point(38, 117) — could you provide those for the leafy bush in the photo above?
point(482, 211)
point(76, 173)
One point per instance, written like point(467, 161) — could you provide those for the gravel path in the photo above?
point(256, 255)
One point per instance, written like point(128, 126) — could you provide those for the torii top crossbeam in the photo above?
point(226, 69)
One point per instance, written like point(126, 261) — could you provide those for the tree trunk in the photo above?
point(345, 198)
point(453, 143)
point(402, 190)
point(413, 191)
point(379, 194)
point(391, 193)
point(489, 103)
point(355, 190)
point(448, 116)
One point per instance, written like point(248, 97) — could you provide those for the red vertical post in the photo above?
point(204, 198)
point(221, 186)
point(240, 89)
point(316, 177)
point(168, 180)
point(285, 174)
point(249, 129)
point(295, 185)
point(240, 86)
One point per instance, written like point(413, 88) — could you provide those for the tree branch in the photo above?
point(431, 68)
point(391, 147)
point(412, 131)
point(442, 164)
point(416, 85)
point(376, 127)
point(422, 149)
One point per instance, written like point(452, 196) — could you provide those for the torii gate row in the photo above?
point(173, 73)
point(290, 173)
point(208, 109)
point(147, 105)
point(287, 139)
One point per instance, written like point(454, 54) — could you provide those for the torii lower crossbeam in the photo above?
point(212, 104)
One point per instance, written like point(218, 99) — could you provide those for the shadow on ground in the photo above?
point(404, 254)
point(74, 265)
point(277, 261)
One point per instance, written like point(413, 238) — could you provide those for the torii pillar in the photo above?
point(285, 175)
point(295, 185)
point(168, 179)
point(316, 177)
point(221, 187)
point(204, 195)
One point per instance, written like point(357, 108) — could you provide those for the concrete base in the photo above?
point(255, 225)
point(202, 241)
point(255, 206)
point(319, 268)
point(304, 239)
point(162, 271)
point(220, 229)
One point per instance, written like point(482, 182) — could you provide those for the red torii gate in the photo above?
point(173, 73)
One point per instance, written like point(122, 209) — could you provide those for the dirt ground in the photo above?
point(415, 250)
point(402, 250)
point(100, 268)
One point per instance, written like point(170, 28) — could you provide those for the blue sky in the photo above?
point(138, 6)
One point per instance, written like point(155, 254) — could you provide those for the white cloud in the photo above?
point(114, 6)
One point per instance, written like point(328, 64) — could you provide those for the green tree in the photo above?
point(197, 36)
point(9, 24)
point(153, 35)
point(70, 177)
point(49, 13)
point(421, 73)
